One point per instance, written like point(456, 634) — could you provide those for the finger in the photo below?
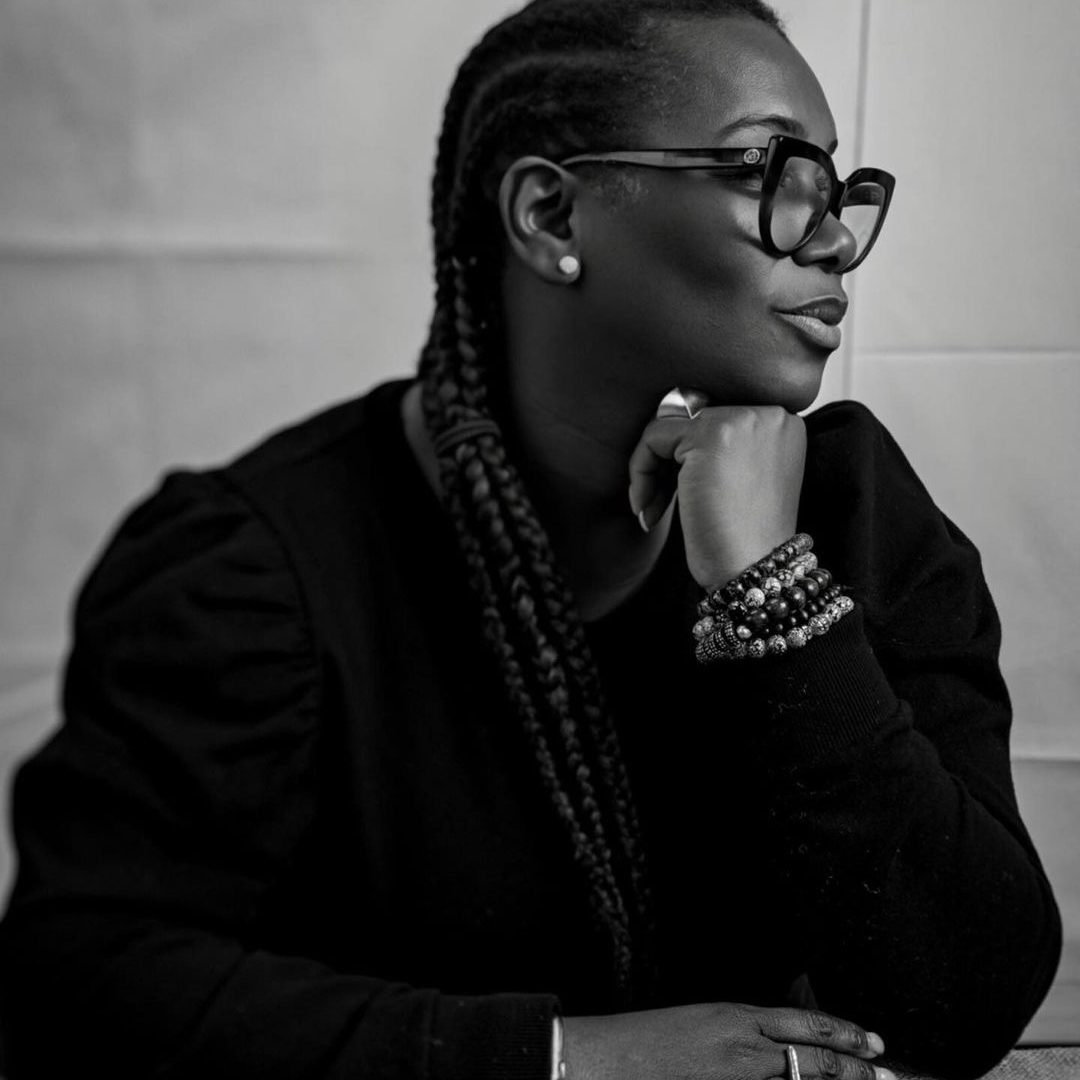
point(813, 1027)
point(653, 473)
point(662, 504)
point(824, 1063)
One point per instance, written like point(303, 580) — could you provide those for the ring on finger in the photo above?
point(682, 403)
point(793, 1064)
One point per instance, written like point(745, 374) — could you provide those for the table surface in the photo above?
point(1027, 1063)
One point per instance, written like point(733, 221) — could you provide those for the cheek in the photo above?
point(685, 271)
point(712, 252)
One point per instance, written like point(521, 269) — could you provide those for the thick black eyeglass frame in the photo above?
point(769, 161)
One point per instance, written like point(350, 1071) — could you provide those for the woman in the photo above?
point(407, 697)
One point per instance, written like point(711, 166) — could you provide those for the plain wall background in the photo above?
point(213, 219)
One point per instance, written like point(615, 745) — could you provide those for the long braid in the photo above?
point(558, 77)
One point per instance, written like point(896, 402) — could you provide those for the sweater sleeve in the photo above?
point(916, 892)
point(153, 826)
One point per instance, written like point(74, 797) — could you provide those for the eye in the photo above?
point(749, 181)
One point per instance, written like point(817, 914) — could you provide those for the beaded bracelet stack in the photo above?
point(779, 603)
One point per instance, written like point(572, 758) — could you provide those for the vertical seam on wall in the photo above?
point(143, 273)
point(860, 139)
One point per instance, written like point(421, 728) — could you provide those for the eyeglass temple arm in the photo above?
point(668, 159)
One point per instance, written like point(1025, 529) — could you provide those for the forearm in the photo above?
point(139, 997)
point(925, 913)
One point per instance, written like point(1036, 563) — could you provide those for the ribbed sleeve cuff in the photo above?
point(821, 699)
point(495, 1037)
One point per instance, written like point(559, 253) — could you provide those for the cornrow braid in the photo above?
point(558, 77)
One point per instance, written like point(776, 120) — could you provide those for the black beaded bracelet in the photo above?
point(776, 564)
point(779, 603)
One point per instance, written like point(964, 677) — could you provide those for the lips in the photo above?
point(827, 309)
point(818, 320)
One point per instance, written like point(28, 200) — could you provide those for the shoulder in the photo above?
point(846, 437)
point(226, 527)
point(343, 434)
point(857, 470)
point(853, 459)
point(885, 532)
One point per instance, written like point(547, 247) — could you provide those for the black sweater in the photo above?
point(290, 827)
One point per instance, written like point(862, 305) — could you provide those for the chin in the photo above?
point(795, 396)
point(801, 401)
point(790, 377)
point(798, 384)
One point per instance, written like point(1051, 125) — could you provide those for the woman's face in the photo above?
point(677, 279)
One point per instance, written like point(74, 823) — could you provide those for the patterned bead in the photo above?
point(802, 542)
point(777, 608)
point(755, 649)
point(704, 627)
point(846, 604)
point(707, 651)
point(819, 625)
point(796, 596)
point(758, 621)
point(754, 598)
point(767, 565)
point(771, 586)
point(744, 633)
point(776, 645)
point(727, 632)
point(786, 578)
point(796, 638)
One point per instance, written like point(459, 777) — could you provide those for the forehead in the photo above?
point(725, 70)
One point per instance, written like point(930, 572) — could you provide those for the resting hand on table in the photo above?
point(739, 473)
point(718, 1042)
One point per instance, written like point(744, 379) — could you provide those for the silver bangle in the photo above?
point(558, 1062)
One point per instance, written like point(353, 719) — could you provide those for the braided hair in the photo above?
point(558, 77)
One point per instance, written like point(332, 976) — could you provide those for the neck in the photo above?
point(574, 463)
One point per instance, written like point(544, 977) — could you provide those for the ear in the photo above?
point(536, 203)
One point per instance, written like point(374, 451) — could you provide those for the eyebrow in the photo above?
point(787, 124)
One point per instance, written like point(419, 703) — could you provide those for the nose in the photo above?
point(832, 246)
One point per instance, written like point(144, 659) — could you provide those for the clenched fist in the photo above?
point(738, 472)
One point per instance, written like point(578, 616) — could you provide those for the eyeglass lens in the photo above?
point(802, 199)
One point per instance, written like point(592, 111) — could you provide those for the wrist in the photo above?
point(779, 603)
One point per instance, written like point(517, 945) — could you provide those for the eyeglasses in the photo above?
point(799, 189)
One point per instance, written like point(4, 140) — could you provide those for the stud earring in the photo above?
point(570, 266)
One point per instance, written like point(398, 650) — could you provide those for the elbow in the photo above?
point(990, 1006)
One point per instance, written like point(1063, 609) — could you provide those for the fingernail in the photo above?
point(874, 1041)
point(641, 520)
point(883, 1074)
